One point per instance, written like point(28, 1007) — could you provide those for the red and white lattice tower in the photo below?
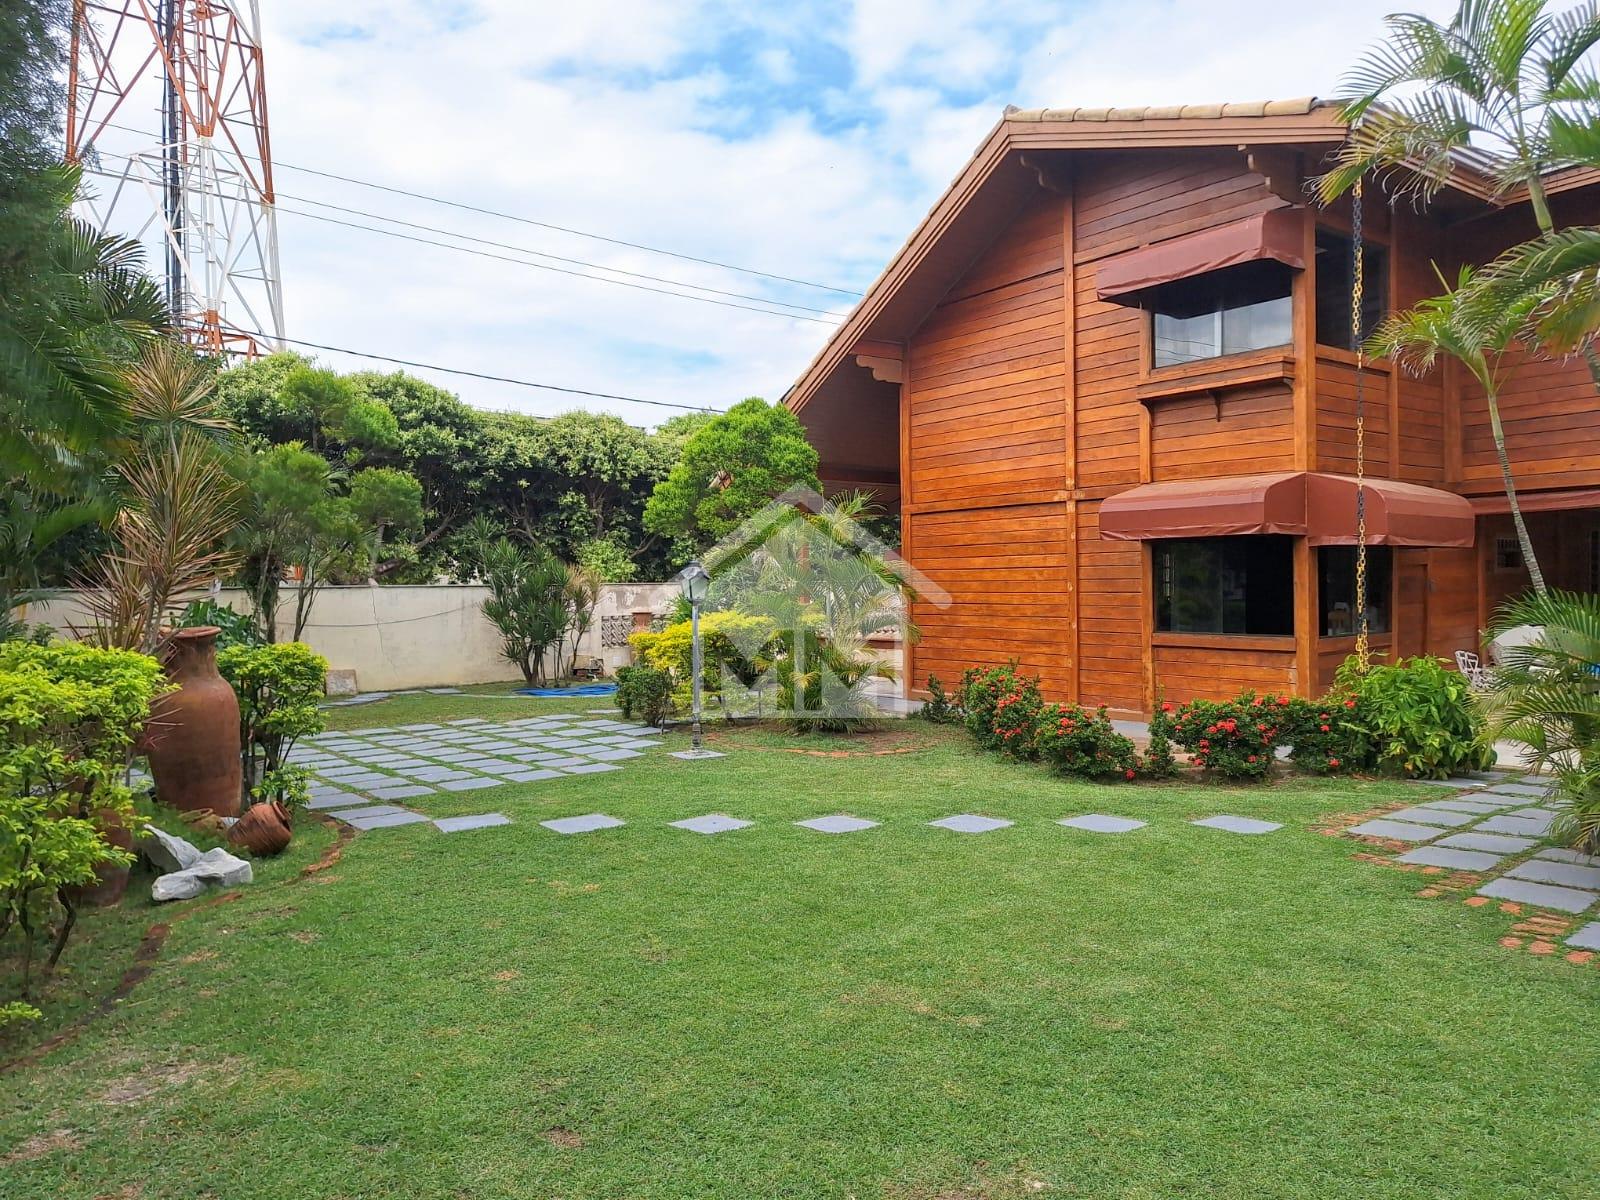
point(167, 112)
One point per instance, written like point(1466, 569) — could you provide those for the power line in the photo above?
point(527, 383)
point(467, 237)
point(505, 216)
point(771, 312)
point(411, 237)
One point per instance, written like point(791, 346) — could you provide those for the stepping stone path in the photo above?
point(587, 823)
point(712, 823)
point(839, 823)
point(352, 768)
point(1238, 824)
point(1489, 823)
point(1100, 823)
point(970, 823)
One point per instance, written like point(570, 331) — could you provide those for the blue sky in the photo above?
point(799, 139)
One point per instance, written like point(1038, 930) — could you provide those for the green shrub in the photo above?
point(938, 708)
point(278, 686)
point(237, 629)
point(1235, 739)
point(1001, 708)
point(726, 639)
point(69, 717)
point(644, 693)
point(1076, 741)
point(1419, 716)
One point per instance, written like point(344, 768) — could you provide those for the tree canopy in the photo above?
point(731, 465)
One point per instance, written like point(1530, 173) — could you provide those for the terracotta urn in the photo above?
point(193, 735)
point(263, 830)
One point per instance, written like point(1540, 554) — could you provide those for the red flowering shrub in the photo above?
point(1001, 708)
point(1330, 736)
point(1159, 762)
point(1076, 741)
point(1236, 739)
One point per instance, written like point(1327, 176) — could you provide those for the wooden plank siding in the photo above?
point(987, 439)
point(1025, 401)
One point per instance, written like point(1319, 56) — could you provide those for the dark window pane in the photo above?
point(1231, 311)
point(1336, 587)
point(1334, 260)
point(1241, 585)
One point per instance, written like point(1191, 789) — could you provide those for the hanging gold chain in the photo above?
point(1357, 285)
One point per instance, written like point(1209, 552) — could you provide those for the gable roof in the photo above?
point(1000, 175)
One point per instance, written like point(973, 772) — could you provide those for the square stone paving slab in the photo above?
point(1523, 789)
point(366, 810)
point(1456, 860)
point(387, 820)
point(334, 800)
point(479, 821)
point(971, 823)
point(1557, 854)
point(1520, 826)
point(532, 776)
point(1587, 937)
point(1234, 824)
point(613, 755)
point(437, 774)
point(565, 764)
point(1400, 831)
point(587, 823)
point(1544, 895)
point(591, 768)
point(1101, 823)
point(1424, 814)
point(1457, 804)
point(838, 823)
point(711, 823)
point(1542, 870)
point(1535, 814)
point(1456, 782)
point(402, 791)
point(1491, 843)
point(470, 783)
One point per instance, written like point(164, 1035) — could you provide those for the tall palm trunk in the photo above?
point(1493, 399)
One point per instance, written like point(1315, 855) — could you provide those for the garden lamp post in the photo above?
point(696, 583)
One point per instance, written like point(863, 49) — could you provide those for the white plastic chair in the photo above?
point(1468, 664)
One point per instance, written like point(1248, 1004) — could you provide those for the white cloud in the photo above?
point(796, 140)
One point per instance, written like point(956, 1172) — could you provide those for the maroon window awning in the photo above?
point(1530, 502)
point(1278, 235)
point(1319, 507)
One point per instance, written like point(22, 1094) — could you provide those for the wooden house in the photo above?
point(1108, 385)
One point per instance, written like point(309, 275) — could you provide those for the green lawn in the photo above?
point(905, 1014)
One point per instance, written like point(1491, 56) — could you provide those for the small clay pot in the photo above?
point(193, 734)
point(263, 830)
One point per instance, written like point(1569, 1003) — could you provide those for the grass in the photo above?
point(904, 1014)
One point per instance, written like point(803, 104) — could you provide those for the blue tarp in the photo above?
point(585, 689)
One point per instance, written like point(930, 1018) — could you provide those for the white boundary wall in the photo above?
point(418, 636)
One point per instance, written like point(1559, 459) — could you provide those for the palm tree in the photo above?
point(66, 331)
point(1447, 324)
point(1508, 81)
point(1504, 78)
point(1546, 695)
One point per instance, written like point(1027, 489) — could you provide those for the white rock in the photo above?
point(177, 885)
point(218, 866)
point(214, 866)
point(168, 851)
